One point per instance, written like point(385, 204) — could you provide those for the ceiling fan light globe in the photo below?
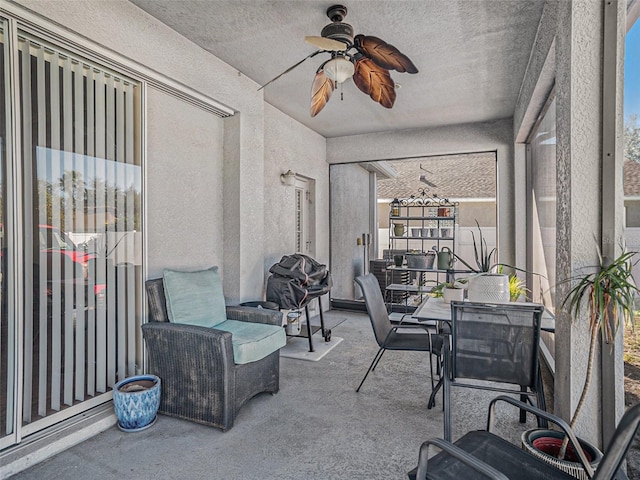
point(338, 69)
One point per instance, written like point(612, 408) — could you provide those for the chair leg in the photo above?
point(381, 352)
point(542, 403)
point(376, 359)
point(447, 396)
point(523, 399)
point(431, 368)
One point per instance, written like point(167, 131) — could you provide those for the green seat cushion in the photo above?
point(195, 297)
point(253, 341)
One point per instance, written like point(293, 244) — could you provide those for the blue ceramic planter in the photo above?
point(136, 401)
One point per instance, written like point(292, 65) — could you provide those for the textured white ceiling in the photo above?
point(472, 55)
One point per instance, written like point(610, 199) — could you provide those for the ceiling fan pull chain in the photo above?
point(341, 93)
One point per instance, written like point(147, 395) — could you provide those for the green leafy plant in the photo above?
point(439, 288)
point(517, 288)
point(608, 293)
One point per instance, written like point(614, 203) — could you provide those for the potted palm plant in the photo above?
point(608, 293)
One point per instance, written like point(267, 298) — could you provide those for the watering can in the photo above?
point(398, 229)
point(445, 259)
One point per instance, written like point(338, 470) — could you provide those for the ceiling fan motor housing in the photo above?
point(343, 32)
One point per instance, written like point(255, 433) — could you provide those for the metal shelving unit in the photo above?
point(419, 224)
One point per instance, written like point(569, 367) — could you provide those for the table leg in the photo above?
point(523, 399)
point(321, 317)
point(306, 311)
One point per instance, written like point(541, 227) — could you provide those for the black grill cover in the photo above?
point(296, 280)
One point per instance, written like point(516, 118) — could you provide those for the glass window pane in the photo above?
point(82, 228)
point(543, 185)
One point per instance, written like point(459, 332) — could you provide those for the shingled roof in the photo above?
point(465, 176)
point(455, 176)
point(631, 178)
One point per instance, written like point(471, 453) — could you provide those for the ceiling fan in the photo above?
point(366, 58)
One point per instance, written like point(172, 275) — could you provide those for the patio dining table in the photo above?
point(436, 311)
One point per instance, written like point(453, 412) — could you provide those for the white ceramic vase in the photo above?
point(488, 288)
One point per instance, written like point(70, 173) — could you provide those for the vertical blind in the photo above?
point(82, 221)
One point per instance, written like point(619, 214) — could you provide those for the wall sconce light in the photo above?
point(288, 178)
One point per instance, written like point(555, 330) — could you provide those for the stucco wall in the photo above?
point(290, 145)
point(193, 238)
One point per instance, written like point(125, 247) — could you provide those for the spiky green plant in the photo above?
point(483, 255)
point(609, 294)
point(517, 288)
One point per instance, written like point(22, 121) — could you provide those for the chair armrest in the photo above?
point(466, 458)
point(182, 347)
point(415, 326)
point(541, 414)
point(255, 315)
point(435, 339)
point(197, 371)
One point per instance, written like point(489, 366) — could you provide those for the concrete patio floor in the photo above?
point(316, 427)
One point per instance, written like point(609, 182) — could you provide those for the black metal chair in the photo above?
point(388, 336)
point(483, 454)
point(493, 343)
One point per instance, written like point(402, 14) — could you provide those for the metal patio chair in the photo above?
point(394, 337)
point(483, 454)
point(493, 343)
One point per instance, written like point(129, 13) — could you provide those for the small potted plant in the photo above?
point(450, 291)
point(608, 293)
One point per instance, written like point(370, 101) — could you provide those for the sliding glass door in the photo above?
point(7, 328)
point(77, 223)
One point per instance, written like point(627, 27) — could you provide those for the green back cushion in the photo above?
point(195, 298)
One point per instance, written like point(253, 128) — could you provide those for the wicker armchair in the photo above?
point(200, 381)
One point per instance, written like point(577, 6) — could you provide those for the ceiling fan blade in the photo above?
point(291, 68)
point(325, 43)
point(384, 54)
point(375, 81)
point(321, 91)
